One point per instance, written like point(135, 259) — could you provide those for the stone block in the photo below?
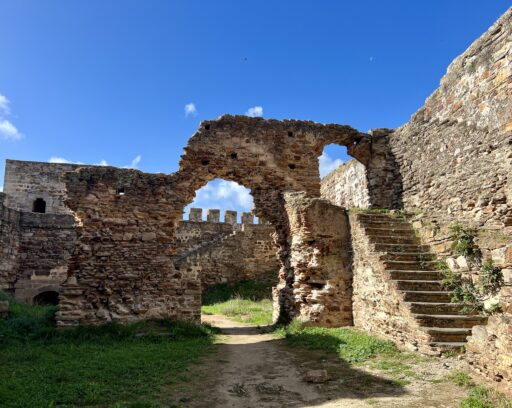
point(247, 218)
point(213, 215)
point(230, 217)
point(195, 214)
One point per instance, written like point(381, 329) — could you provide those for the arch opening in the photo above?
point(344, 180)
point(232, 252)
point(47, 298)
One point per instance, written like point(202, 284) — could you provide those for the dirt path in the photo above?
point(255, 370)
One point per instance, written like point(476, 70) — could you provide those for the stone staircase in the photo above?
point(411, 269)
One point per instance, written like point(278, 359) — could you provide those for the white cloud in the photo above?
point(8, 130)
point(56, 159)
point(255, 111)
point(223, 195)
point(327, 164)
point(102, 163)
point(190, 109)
point(4, 105)
point(135, 162)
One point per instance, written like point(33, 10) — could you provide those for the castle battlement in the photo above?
point(213, 215)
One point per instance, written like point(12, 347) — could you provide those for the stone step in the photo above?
point(437, 308)
point(447, 334)
point(409, 256)
point(386, 239)
point(411, 265)
point(459, 321)
point(427, 296)
point(397, 224)
point(380, 216)
point(419, 285)
point(415, 275)
point(393, 232)
point(406, 248)
point(447, 346)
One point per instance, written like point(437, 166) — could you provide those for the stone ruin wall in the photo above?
point(347, 186)
point(452, 162)
point(36, 247)
point(455, 155)
point(9, 245)
point(115, 272)
point(225, 251)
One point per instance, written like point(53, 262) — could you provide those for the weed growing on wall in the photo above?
point(463, 287)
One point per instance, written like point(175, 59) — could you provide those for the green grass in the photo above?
point(245, 301)
point(479, 396)
point(351, 345)
point(243, 310)
point(109, 366)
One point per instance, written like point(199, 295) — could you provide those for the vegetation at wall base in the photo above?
point(478, 395)
point(246, 301)
point(107, 365)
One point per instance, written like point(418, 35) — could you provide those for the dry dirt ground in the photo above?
point(254, 369)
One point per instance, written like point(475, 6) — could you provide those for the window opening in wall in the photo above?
point(120, 192)
point(48, 297)
point(332, 157)
point(223, 195)
point(39, 206)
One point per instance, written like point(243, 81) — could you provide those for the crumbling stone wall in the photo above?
point(122, 268)
point(225, 251)
point(455, 154)
point(245, 253)
point(270, 157)
point(347, 186)
point(321, 293)
point(9, 245)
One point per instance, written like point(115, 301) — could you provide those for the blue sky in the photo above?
point(127, 82)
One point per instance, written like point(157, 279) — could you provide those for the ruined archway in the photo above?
point(123, 267)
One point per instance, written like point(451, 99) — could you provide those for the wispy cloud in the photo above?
point(135, 162)
point(328, 164)
point(7, 129)
point(190, 109)
point(60, 160)
point(254, 112)
point(5, 105)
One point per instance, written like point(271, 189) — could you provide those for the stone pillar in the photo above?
point(230, 217)
point(320, 259)
point(195, 214)
point(247, 218)
point(213, 215)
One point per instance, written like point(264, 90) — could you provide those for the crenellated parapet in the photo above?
point(230, 216)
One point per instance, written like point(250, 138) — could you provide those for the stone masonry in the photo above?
point(451, 162)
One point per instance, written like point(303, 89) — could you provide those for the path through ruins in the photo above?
point(254, 369)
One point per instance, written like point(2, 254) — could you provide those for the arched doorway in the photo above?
point(46, 298)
